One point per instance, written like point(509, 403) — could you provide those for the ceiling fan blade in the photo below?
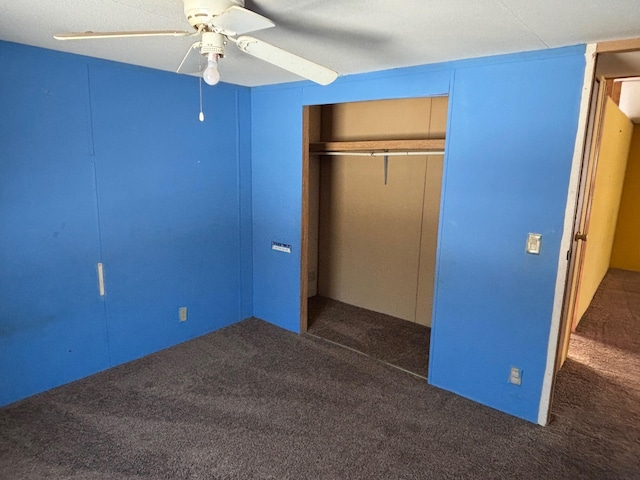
point(286, 60)
point(237, 20)
point(93, 35)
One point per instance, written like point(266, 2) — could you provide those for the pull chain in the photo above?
point(201, 114)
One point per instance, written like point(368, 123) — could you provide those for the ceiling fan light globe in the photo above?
point(211, 75)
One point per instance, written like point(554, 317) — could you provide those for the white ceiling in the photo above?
point(348, 36)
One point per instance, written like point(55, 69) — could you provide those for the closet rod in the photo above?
point(379, 154)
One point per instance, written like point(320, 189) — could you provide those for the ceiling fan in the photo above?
point(218, 22)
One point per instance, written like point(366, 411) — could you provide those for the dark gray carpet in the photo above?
point(597, 398)
point(390, 339)
point(254, 401)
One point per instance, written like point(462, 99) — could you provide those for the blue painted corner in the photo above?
point(103, 162)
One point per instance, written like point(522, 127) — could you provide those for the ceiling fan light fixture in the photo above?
point(211, 75)
point(217, 22)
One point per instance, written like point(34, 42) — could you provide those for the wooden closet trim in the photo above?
point(618, 46)
point(378, 145)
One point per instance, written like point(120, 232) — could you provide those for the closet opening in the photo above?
point(372, 179)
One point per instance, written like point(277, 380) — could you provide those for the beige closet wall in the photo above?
point(377, 242)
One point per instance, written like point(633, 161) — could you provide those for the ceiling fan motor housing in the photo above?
point(201, 12)
point(212, 43)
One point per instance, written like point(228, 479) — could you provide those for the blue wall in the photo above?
point(102, 162)
point(511, 133)
point(107, 162)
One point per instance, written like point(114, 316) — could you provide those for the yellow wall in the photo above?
point(626, 246)
point(378, 242)
point(617, 130)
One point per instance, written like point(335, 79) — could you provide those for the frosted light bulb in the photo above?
point(211, 74)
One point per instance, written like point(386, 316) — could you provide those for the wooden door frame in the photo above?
point(582, 219)
point(305, 216)
point(585, 194)
point(583, 212)
point(561, 319)
point(304, 239)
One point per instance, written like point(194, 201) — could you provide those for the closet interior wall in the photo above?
point(373, 244)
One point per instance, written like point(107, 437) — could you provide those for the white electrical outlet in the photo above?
point(515, 376)
point(182, 314)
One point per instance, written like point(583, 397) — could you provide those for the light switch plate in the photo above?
point(515, 376)
point(534, 241)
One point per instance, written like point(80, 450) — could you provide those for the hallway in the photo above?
point(598, 390)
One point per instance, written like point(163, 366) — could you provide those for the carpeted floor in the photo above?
point(383, 337)
point(598, 390)
point(254, 401)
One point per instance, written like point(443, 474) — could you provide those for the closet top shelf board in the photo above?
point(378, 145)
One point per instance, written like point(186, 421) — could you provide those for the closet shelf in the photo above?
point(378, 145)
